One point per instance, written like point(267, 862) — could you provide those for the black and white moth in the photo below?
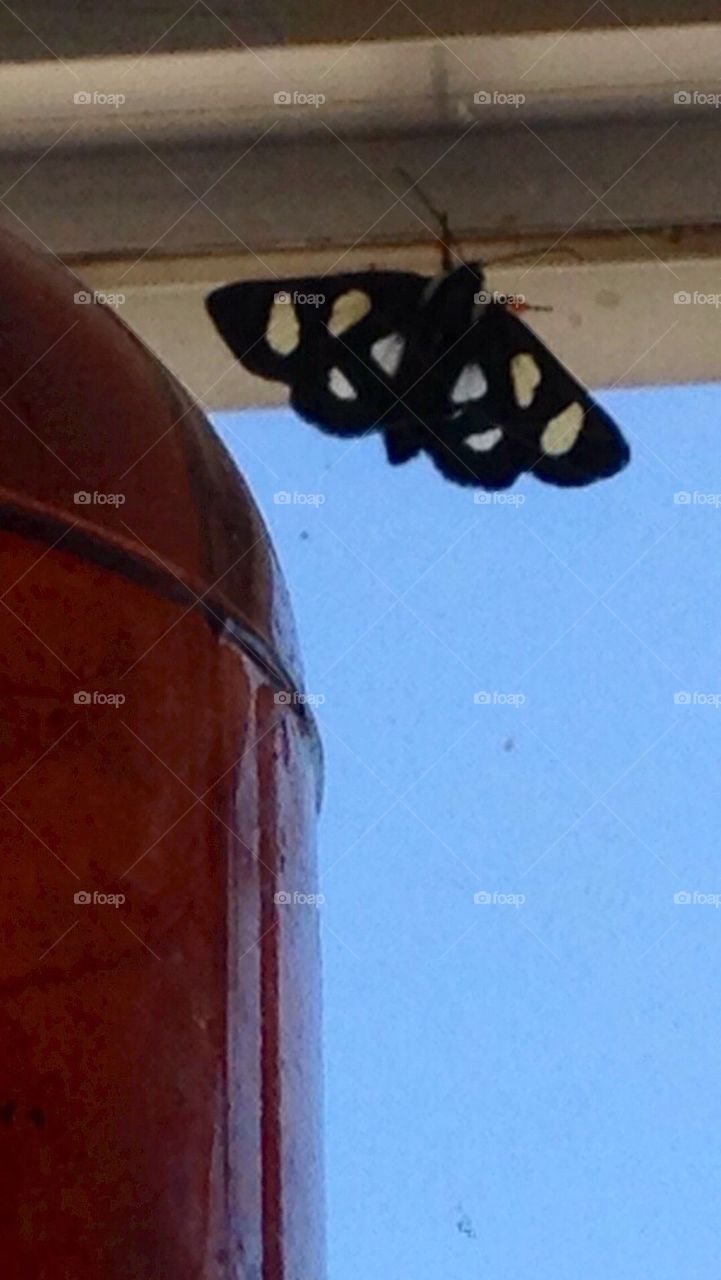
point(435, 364)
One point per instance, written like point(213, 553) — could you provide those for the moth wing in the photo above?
point(511, 407)
point(339, 342)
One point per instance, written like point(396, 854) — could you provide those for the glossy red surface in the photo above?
point(160, 1071)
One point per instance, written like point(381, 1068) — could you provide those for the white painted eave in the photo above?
point(614, 320)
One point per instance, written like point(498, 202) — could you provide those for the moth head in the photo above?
point(453, 295)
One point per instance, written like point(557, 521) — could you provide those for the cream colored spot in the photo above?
point(388, 353)
point(347, 310)
point(470, 384)
point(283, 332)
point(340, 386)
point(563, 431)
point(483, 441)
point(526, 377)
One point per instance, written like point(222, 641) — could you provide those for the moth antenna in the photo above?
point(519, 307)
point(446, 239)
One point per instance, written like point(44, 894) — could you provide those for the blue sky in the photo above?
point(526, 1086)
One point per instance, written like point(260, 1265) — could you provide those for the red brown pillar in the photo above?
point(159, 1023)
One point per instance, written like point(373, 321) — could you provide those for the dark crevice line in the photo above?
point(48, 528)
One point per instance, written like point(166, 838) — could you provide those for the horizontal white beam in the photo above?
point(386, 85)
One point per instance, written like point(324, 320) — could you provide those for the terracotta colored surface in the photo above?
point(84, 408)
point(159, 1073)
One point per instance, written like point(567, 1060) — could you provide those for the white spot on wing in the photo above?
point(388, 353)
point(483, 441)
point(469, 385)
point(526, 377)
point(340, 386)
point(347, 310)
point(563, 431)
point(283, 332)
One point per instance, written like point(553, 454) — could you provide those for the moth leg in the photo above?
point(402, 441)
